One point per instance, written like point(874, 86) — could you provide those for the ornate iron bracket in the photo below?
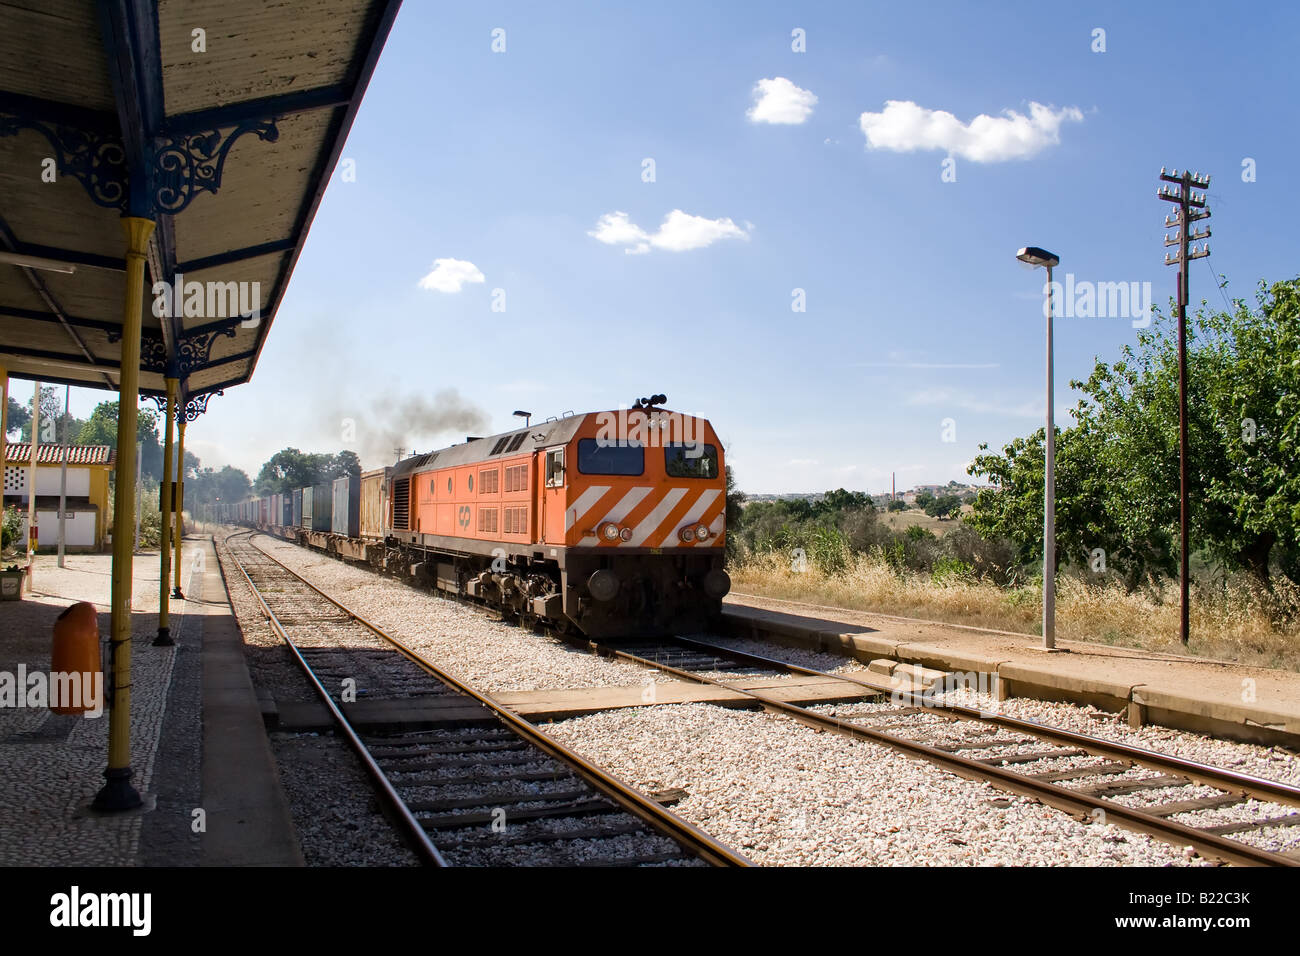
point(197, 405)
point(97, 160)
point(179, 165)
point(186, 164)
point(193, 351)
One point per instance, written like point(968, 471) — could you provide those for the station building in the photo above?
point(86, 496)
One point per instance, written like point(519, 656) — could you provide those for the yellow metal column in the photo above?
point(164, 638)
point(117, 792)
point(180, 496)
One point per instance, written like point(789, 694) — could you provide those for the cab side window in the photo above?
point(555, 468)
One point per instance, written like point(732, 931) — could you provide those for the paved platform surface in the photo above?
point(1254, 704)
point(193, 718)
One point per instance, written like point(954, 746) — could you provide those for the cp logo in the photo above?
point(462, 516)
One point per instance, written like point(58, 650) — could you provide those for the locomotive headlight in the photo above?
point(687, 534)
point(609, 531)
point(702, 532)
point(625, 534)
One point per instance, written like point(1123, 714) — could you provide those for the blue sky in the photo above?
point(509, 160)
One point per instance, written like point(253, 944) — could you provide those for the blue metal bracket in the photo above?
point(198, 404)
point(192, 351)
point(97, 160)
point(183, 165)
point(177, 168)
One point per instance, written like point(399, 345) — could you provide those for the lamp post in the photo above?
point(526, 416)
point(1041, 257)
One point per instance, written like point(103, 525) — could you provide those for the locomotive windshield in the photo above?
point(601, 458)
point(691, 461)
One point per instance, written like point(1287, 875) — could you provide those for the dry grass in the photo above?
point(1229, 624)
point(902, 520)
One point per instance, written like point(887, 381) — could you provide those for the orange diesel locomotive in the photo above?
point(609, 522)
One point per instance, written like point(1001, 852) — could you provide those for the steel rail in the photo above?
point(633, 801)
point(1247, 784)
point(417, 835)
point(1071, 801)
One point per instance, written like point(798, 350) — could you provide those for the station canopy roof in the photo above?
point(221, 120)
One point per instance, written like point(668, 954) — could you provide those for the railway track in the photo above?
point(1075, 772)
point(467, 781)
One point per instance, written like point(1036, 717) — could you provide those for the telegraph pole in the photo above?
point(1190, 208)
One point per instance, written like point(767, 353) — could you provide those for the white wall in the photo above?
point(79, 529)
point(47, 480)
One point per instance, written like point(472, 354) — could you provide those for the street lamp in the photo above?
point(1041, 257)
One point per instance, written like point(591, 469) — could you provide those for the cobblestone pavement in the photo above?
point(51, 766)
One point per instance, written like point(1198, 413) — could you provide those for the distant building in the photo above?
point(86, 503)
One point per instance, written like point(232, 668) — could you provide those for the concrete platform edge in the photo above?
point(248, 817)
point(1143, 704)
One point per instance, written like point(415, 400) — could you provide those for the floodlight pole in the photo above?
point(1049, 491)
point(1034, 256)
point(1190, 208)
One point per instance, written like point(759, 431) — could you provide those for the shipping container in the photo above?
point(322, 511)
point(308, 496)
point(374, 502)
point(295, 517)
point(346, 518)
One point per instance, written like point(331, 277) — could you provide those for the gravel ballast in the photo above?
point(774, 789)
point(335, 811)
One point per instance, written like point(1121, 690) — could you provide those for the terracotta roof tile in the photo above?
point(21, 453)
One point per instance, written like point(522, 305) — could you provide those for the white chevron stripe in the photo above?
point(695, 513)
point(625, 504)
point(585, 502)
point(651, 521)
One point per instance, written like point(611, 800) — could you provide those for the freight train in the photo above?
point(610, 523)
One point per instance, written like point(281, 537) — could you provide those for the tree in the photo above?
point(101, 429)
point(944, 506)
point(839, 501)
point(735, 508)
point(345, 464)
point(207, 486)
point(923, 499)
point(289, 469)
point(898, 504)
point(52, 418)
point(17, 417)
point(1117, 474)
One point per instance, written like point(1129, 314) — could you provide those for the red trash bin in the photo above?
point(76, 684)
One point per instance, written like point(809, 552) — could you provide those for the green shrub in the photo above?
point(950, 570)
point(11, 527)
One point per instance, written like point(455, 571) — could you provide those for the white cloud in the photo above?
point(448, 275)
point(802, 462)
point(904, 127)
point(779, 101)
point(679, 232)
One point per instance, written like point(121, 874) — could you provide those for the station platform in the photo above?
point(1221, 698)
point(194, 720)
